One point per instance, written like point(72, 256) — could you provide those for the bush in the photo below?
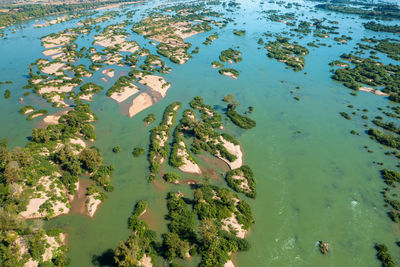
point(240, 120)
point(149, 118)
point(172, 177)
point(7, 94)
point(137, 151)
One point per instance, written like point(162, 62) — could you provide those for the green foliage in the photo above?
point(230, 139)
point(90, 88)
point(159, 149)
point(345, 115)
point(380, 11)
point(240, 120)
point(137, 151)
point(384, 139)
point(181, 227)
point(36, 114)
point(217, 64)
point(211, 38)
point(7, 94)
point(26, 108)
point(384, 256)
point(239, 32)
point(172, 177)
point(390, 126)
point(119, 85)
point(90, 159)
point(116, 149)
point(242, 180)
point(377, 27)
point(69, 181)
point(369, 72)
point(141, 242)
point(212, 204)
point(292, 54)
point(229, 72)
point(174, 246)
point(392, 49)
point(149, 118)
point(103, 177)
point(230, 55)
point(390, 177)
point(134, 223)
point(36, 246)
point(30, 11)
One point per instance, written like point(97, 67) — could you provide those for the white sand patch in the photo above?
point(51, 240)
point(57, 88)
point(125, 93)
point(234, 150)
point(36, 81)
point(51, 52)
point(145, 261)
point(112, 59)
point(140, 103)
point(31, 263)
point(58, 100)
point(96, 57)
point(79, 142)
point(230, 74)
point(229, 264)
point(63, 39)
point(52, 68)
point(86, 97)
point(51, 246)
point(29, 110)
point(244, 184)
point(53, 119)
point(109, 41)
point(92, 204)
point(156, 83)
point(37, 115)
point(108, 72)
point(58, 207)
point(373, 91)
point(232, 222)
point(188, 166)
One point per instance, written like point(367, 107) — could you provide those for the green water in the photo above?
point(319, 184)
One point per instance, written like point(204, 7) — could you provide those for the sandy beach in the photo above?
point(156, 83)
point(188, 166)
point(372, 91)
point(125, 94)
point(140, 103)
point(234, 150)
point(92, 204)
point(58, 207)
point(108, 72)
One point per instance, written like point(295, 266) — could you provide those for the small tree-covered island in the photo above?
point(204, 133)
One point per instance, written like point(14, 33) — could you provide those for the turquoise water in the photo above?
point(319, 184)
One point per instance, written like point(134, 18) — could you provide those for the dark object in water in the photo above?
point(323, 247)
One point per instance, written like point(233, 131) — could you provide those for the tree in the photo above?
point(174, 246)
point(128, 252)
point(90, 159)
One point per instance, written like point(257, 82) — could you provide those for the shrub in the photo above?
point(137, 151)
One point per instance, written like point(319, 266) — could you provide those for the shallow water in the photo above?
point(319, 184)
